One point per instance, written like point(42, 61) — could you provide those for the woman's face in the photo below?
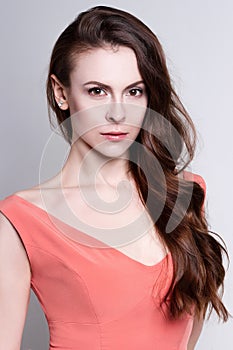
point(106, 95)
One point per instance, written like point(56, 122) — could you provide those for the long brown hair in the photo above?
point(197, 256)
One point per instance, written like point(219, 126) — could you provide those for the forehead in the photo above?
point(106, 65)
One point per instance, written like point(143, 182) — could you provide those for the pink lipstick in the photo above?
point(114, 135)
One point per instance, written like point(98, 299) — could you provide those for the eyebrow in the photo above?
point(93, 82)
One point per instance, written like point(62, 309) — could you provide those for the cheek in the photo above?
point(87, 122)
point(83, 128)
point(77, 101)
point(135, 116)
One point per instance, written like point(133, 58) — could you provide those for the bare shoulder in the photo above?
point(12, 251)
point(15, 277)
point(9, 239)
point(32, 195)
point(187, 175)
point(49, 196)
point(38, 193)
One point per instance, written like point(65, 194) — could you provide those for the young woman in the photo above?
point(116, 245)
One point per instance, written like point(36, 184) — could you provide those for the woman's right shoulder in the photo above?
point(15, 221)
point(37, 195)
point(7, 230)
point(15, 282)
point(12, 240)
point(31, 195)
point(11, 246)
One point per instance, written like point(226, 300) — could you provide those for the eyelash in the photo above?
point(138, 90)
point(95, 89)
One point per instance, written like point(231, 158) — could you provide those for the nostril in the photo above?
point(115, 117)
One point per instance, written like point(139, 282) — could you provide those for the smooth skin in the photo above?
point(106, 92)
point(14, 286)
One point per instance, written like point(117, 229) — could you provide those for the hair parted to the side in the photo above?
point(197, 254)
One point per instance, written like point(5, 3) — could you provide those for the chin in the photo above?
point(113, 149)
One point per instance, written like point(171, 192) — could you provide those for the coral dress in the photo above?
point(94, 298)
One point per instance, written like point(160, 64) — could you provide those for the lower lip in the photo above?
point(115, 137)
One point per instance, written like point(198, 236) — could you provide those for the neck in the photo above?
point(87, 167)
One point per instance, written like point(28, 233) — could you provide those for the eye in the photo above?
point(135, 92)
point(96, 91)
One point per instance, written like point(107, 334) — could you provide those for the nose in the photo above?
point(116, 113)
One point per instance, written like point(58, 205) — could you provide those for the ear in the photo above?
point(59, 93)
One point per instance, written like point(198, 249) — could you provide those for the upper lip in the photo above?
point(114, 132)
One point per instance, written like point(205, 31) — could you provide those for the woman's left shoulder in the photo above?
point(187, 175)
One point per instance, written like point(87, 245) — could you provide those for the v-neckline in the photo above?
point(46, 215)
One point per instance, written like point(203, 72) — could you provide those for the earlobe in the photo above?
point(59, 93)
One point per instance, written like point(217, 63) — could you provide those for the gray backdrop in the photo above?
point(197, 39)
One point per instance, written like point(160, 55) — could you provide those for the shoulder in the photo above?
point(49, 198)
point(31, 195)
point(38, 194)
point(47, 189)
point(187, 175)
point(11, 241)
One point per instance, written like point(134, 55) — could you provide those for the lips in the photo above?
point(114, 133)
